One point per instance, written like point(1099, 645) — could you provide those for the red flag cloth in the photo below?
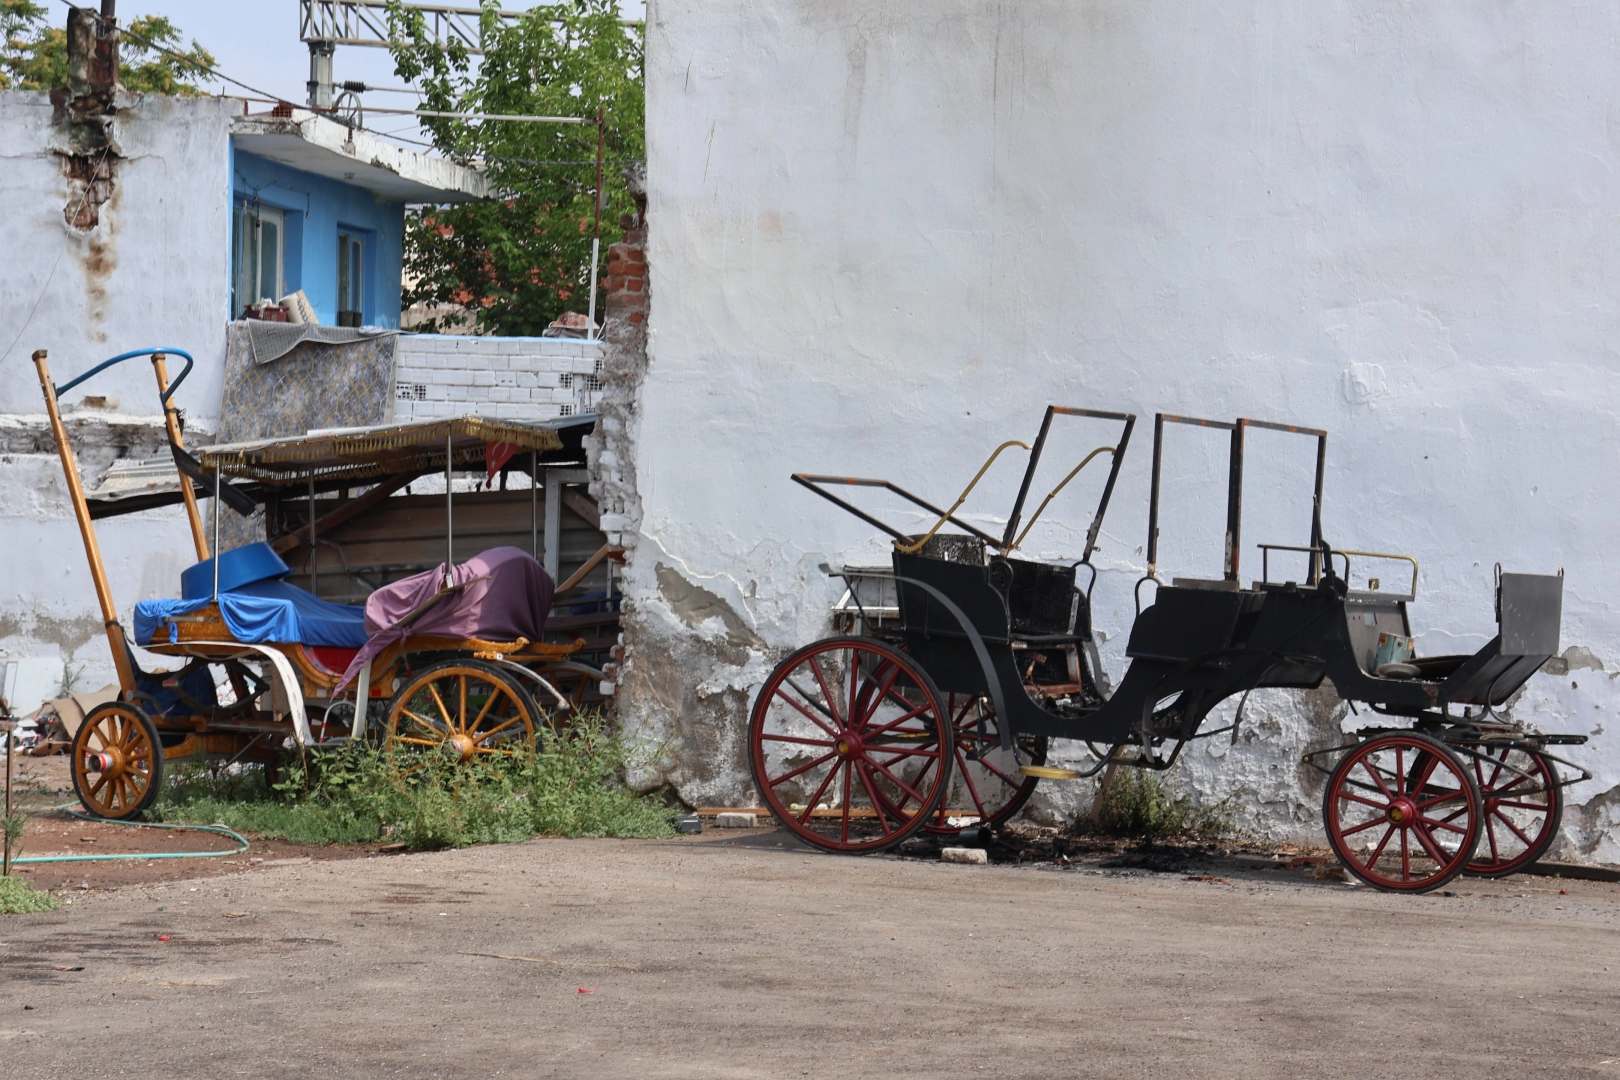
point(496, 455)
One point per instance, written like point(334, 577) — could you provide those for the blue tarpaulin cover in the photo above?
point(264, 611)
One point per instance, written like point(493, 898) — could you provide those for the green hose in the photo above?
point(218, 830)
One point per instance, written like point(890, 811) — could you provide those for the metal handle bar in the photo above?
point(912, 549)
point(1267, 549)
point(1381, 555)
point(1128, 419)
point(811, 480)
point(1054, 494)
point(120, 358)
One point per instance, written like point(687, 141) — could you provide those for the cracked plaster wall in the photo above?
point(883, 239)
point(152, 271)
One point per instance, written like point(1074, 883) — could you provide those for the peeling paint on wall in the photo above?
point(892, 265)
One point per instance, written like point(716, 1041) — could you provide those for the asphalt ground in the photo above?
point(743, 954)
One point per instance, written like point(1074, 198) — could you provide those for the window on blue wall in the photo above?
point(351, 279)
point(258, 256)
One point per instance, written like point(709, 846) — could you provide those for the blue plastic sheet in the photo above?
point(262, 612)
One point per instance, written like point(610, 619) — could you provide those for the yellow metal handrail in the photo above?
point(1042, 509)
point(912, 549)
point(1384, 555)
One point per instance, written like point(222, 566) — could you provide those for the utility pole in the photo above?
point(325, 24)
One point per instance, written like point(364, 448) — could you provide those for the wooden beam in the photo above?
point(584, 506)
point(590, 564)
point(300, 535)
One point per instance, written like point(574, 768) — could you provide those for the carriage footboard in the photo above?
point(1529, 611)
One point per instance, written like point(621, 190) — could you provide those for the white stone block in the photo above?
point(970, 855)
point(735, 820)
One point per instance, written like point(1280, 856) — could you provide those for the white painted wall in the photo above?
point(47, 599)
point(153, 272)
point(882, 238)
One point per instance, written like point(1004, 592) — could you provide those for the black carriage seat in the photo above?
point(1528, 618)
point(1188, 619)
point(1368, 621)
point(1006, 600)
point(1032, 607)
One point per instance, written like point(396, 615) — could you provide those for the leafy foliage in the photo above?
point(570, 787)
point(1132, 804)
point(17, 898)
point(522, 259)
point(33, 54)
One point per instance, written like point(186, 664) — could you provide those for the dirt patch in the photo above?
point(744, 954)
point(41, 784)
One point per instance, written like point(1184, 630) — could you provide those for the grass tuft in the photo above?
point(356, 795)
point(1132, 804)
point(18, 898)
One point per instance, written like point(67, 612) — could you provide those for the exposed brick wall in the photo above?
point(626, 281)
point(611, 450)
point(441, 375)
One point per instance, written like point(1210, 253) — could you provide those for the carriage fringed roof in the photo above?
point(367, 452)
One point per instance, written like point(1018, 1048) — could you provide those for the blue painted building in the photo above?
point(319, 208)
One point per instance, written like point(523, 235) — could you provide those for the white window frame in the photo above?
point(248, 284)
point(348, 241)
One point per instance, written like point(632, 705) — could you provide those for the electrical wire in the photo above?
point(218, 830)
point(215, 73)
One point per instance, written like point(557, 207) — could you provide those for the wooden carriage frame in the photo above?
point(517, 687)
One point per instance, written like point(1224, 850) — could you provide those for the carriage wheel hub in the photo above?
point(464, 745)
point(849, 745)
point(109, 762)
point(1402, 812)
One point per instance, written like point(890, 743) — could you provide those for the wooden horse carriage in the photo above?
point(936, 712)
point(262, 663)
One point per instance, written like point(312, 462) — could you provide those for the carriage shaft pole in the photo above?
point(449, 508)
point(171, 421)
point(81, 512)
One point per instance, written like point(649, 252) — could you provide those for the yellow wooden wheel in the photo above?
point(117, 761)
point(465, 708)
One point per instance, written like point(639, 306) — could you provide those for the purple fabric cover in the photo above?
point(511, 601)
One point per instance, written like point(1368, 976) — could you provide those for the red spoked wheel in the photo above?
point(1402, 812)
point(1523, 806)
point(850, 745)
point(986, 787)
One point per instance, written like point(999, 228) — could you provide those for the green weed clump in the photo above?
point(17, 898)
point(567, 786)
point(1132, 804)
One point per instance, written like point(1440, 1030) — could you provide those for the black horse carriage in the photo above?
point(935, 711)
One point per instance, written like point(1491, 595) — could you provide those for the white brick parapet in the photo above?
point(511, 378)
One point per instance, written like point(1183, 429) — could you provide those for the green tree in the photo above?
point(153, 58)
point(522, 258)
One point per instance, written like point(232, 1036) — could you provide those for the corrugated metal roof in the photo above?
point(130, 477)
